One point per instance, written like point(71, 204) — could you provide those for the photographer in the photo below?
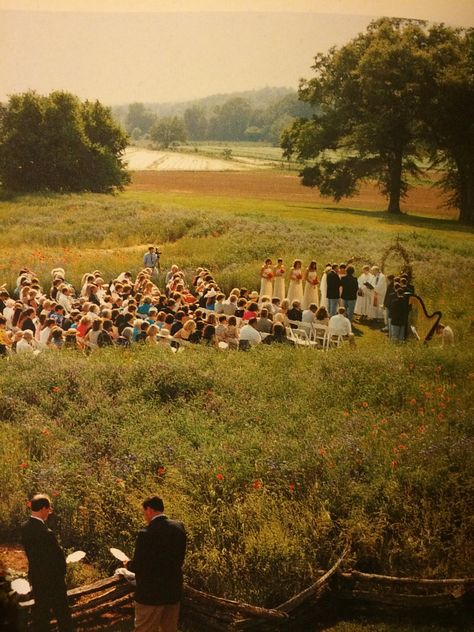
point(152, 259)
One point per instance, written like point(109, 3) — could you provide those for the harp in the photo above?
point(422, 324)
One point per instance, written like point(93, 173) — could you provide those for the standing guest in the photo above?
point(350, 286)
point(266, 278)
point(279, 284)
point(333, 293)
point(311, 294)
point(389, 296)
point(295, 286)
point(46, 568)
point(151, 259)
point(157, 564)
point(398, 314)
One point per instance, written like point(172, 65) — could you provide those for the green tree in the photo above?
point(196, 122)
point(168, 130)
point(140, 117)
point(449, 113)
point(57, 143)
point(230, 120)
point(368, 94)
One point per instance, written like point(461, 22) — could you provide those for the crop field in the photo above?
point(273, 458)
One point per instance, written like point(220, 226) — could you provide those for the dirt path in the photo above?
point(271, 185)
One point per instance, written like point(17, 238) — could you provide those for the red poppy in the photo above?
point(291, 487)
point(411, 366)
point(330, 465)
point(220, 477)
point(365, 404)
point(413, 402)
point(346, 413)
point(421, 429)
point(256, 484)
point(393, 464)
point(24, 465)
point(56, 492)
point(55, 389)
point(161, 470)
point(322, 452)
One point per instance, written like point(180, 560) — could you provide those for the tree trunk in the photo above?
point(466, 197)
point(395, 183)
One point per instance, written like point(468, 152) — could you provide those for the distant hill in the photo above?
point(258, 99)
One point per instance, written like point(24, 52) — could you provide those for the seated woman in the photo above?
point(186, 331)
point(277, 336)
point(322, 316)
point(251, 311)
point(209, 336)
point(232, 333)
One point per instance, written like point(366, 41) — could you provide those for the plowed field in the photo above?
point(422, 200)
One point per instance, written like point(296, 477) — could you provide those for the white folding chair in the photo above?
point(333, 339)
point(320, 335)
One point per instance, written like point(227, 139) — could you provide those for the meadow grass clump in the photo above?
point(272, 459)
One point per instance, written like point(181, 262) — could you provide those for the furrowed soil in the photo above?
point(421, 200)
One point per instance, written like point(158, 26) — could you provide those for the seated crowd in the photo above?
point(130, 311)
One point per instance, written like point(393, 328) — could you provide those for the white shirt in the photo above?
point(340, 325)
point(252, 335)
point(308, 316)
point(22, 346)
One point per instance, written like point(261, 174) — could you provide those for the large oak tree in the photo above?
point(367, 126)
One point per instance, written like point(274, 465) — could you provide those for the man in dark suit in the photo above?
point(157, 564)
point(46, 568)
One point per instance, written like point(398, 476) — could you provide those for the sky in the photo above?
point(120, 51)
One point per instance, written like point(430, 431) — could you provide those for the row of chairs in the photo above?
point(313, 335)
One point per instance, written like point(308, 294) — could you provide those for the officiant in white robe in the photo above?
point(379, 283)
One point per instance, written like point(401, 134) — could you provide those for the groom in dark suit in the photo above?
point(157, 562)
point(46, 568)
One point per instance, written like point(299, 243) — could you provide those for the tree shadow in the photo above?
point(403, 219)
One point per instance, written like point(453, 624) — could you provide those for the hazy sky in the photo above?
point(120, 51)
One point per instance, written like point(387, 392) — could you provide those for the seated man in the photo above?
point(295, 312)
point(250, 333)
point(340, 325)
point(309, 315)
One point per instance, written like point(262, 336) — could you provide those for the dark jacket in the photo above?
point(46, 561)
point(350, 286)
point(333, 284)
point(157, 562)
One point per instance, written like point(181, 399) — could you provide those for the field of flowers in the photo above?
point(271, 458)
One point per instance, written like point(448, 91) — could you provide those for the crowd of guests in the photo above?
point(128, 311)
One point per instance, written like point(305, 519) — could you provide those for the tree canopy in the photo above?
point(383, 99)
point(58, 143)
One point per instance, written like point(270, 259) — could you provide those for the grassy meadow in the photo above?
point(271, 458)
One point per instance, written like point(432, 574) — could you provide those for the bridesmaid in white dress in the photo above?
point(311, 293)
point(324, 287)
point(279, 285)
point(266, 279)
point(295, 286)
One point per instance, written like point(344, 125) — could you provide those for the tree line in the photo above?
point(392, 101)
point(233, 120)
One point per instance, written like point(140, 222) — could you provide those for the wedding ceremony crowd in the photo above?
point(288, 308)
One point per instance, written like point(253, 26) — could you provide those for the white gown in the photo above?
point(323, 286)
point(363, 303)
point(295, 287)
point(279, 283)
point(311, 293)
point(378, 294)
point(266, 284)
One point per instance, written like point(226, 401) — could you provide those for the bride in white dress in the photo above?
point(311, 293)
point(279, 283)
point(295, 286)
point(324, 287)
point(266, 279)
